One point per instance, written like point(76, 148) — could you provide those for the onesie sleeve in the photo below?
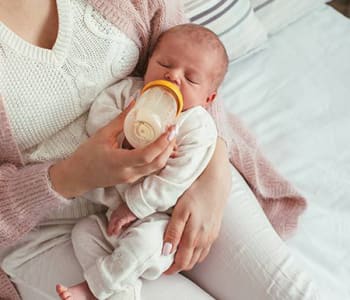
point(111, 102)
point(196, 144)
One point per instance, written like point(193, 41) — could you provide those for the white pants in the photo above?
point(247, 262)
point(113, 265)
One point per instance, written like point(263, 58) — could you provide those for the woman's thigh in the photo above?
point(36, 276)
point(249, 261)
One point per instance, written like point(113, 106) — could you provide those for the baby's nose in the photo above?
point(173, 77)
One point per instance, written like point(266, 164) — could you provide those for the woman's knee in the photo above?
point(84, 232)
point(249, 253)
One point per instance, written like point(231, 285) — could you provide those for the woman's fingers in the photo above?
point(163, 145)
point(195, 258)
point(187, 246)
point(182, 260)
point(158, 163)
point(193, 244)
point(204, 253)
point(152, 155)
point(183, 235)
point(173, 235)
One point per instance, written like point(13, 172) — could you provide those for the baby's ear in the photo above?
point(211, 98)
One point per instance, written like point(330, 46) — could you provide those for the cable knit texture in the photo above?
point(36, 127)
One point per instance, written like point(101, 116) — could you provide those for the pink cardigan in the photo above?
point(25, 193)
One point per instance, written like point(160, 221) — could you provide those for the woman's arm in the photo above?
point(25, 198)
point(27, 195)
point(196, 219)
point(25, 192)
point(99, 162)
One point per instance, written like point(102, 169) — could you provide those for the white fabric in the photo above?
point(232, 20)
point(114, 269)
point(89, 55)
point(248, 261)
point(276, 14)
point(196, 141)
point(113, 266)
point(295, 97)
point(36, 278)
point(242, 263)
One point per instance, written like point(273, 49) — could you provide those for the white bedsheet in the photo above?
point(295, 96)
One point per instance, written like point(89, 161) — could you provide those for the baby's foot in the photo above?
point(80, 291)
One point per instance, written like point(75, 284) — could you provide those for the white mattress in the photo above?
point(295, 96)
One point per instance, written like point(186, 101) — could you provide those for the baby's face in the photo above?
point(187, 65)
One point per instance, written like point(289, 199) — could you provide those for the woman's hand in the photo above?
point(99, 162)
point(196, 219)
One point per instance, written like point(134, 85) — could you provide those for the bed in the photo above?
point(294, 95)
point(291, 87)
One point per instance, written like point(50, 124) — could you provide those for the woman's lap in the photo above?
point(36, 279)
point(248, 261)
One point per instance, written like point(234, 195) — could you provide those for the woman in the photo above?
point(55, 61)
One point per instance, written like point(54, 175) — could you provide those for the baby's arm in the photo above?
point(196, 143)
point(120, 219)
point(111, 102)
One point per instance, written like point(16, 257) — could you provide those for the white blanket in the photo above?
point(294, 96)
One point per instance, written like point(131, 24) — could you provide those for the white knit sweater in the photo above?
point(89, 55)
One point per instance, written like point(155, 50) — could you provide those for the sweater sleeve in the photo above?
point(26, 197)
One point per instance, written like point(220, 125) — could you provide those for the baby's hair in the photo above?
point(208, 39)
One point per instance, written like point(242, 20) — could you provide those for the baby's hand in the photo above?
point(121, 218)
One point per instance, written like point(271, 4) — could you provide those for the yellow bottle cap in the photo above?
point(171, 87)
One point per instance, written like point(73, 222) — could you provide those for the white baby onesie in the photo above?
point(113, 271)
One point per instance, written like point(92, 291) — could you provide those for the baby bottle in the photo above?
point(157, 107)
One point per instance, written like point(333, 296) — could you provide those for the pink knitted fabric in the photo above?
point(25, 193)
point(281, 202)
point(25, 196)
point(141, 20)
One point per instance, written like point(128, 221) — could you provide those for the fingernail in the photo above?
point(173, 133)
point(176, 129)
point(167, 249)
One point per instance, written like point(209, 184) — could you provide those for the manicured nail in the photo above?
point(172, 133)
point(167, 249)
point(176, 129)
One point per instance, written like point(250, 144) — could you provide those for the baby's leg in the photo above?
point(117, 272)
point(89, 244)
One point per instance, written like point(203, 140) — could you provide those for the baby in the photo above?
point(117, 250)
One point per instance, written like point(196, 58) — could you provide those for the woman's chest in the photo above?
point(47, 89)
point(36, 26)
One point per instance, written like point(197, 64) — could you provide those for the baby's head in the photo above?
point(192, 57)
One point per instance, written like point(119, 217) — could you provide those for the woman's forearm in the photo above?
point(217, 176)
point(196, 218)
